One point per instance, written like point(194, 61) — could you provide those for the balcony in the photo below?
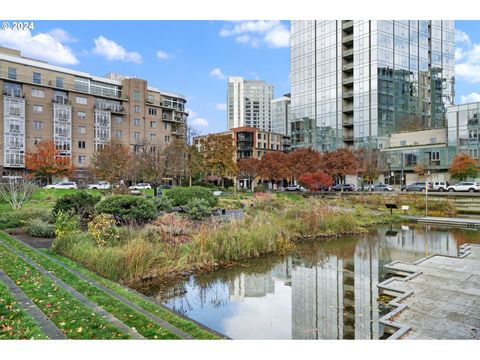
point(13, 93)
point(347, 40)
point(347, 108)
point(347, 80)
point(347, 94)
point(109, 107)
point(61, 101)
point(347, 25)
point(348, 138)
point(347, 122)
point(348, 67)
point(347, 53)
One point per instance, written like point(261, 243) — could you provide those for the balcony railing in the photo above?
point(13, 93)
point(109, 107)
point(61, 101)
point(347, 80)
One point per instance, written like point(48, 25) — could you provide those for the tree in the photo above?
point(112, 163)
point(219, 155)
point(316, 181)
point(150, 165)
point(175, 159)
point(45, 162)
point(273, 166)
point(367, 164)
point(16, 191)
point(195, 163)
point(249, 168)
point(339, 163)
point(463, 166)
point(303, 160)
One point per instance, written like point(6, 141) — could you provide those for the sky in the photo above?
point(195, 58)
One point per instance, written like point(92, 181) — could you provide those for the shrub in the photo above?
point(181, 195)
point(128, 208)
point(169, 228)
point(40, 228)
point(103, 230)
point(163, 203)
point(14, 219)
point(65, 224)
point(259, 188)
point(81, 204)
point(198, 208)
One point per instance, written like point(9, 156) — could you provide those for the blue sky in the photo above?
point(195, 58)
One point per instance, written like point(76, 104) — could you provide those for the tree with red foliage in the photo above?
point(464, 166)
point(340, 163)
point(273, 166)
point(249, 168)
point(316, 181)
point(303, 160)
point(113, 163)
point(367, 164)
point(45, 162)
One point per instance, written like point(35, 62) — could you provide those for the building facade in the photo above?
point(79, 111)
point(281, 114)
point(249, 103)
point(356, 82)
point(464, 129)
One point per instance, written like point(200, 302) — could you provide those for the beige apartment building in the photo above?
point(79, 111)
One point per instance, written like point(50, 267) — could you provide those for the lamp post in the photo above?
point(426, 192)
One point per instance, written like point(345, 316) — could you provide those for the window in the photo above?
point(152, 137)
point(136, 95)
point(473, 134)
point(81, 144)
point(37, 109)
point(59, 82)
point(36, 140)
point(259, 136)
point(37, 125)
point(119, 133)
point(119, 120)
point(473, 153)
point(165, 125)
point(82, 159)
point(152, 111)
point(136, 122)
point(153, 124)
point(38, 93)
point(136, 135)
point(81, 100)
point(435, 155)
point(12, 73)
point(259, 153)
point(167, 138)
point(81, 115)
point(82, 130)
point(37, 78)
point(136, 109)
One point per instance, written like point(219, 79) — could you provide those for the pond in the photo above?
point(323, 290)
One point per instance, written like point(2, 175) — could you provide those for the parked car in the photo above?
point(103, 185)
point(366, 187)
point(470, 186)
point(417, 186)
point(294, 188)
point(383, 187)
point(165, 187)
point(343, 187)
point(62, 185)
point(140, 186)
point(440, 186)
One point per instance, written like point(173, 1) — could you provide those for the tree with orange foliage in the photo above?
point(340, 163)
point(316, 181)
point(464, 166)
point(249, 168)
point(273, 166)
point(45, 162)
point(303, 160)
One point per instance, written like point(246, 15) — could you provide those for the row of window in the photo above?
point(38, 125)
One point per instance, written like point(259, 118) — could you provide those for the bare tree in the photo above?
point(16, 191)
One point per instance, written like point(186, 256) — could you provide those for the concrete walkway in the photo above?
point(438, 299)
point(456, 222)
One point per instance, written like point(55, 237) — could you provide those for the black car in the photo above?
point(343, 187)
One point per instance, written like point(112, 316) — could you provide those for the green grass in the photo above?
point(130, 317)
point(15, 324)
point(67, 313)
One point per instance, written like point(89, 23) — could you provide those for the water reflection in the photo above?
point(326, 290)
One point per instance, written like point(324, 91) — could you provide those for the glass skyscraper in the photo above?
point(353, 83)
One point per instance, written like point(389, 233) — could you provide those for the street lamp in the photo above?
point(426, 192)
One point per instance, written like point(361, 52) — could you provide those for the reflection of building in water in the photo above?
point(419, 241)
point(251, 285)
point(317, 300)
point(283, 271)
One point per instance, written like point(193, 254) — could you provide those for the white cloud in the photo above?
point(468, 63)
point(222, 107)
point(162, 55)
point(42, 46)
point(217, 73)
point(62, 36)
point(473, 97)
point(113, 51)
point(461, 37)
point(199, 122)
point(271, 33)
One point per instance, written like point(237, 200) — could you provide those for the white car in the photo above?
point(103, 185)
point(470, 186)
point(140, 186)
point(295, 188)
point(62, 185)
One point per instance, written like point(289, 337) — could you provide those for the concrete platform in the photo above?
point(444, 221)
point(438, 299)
